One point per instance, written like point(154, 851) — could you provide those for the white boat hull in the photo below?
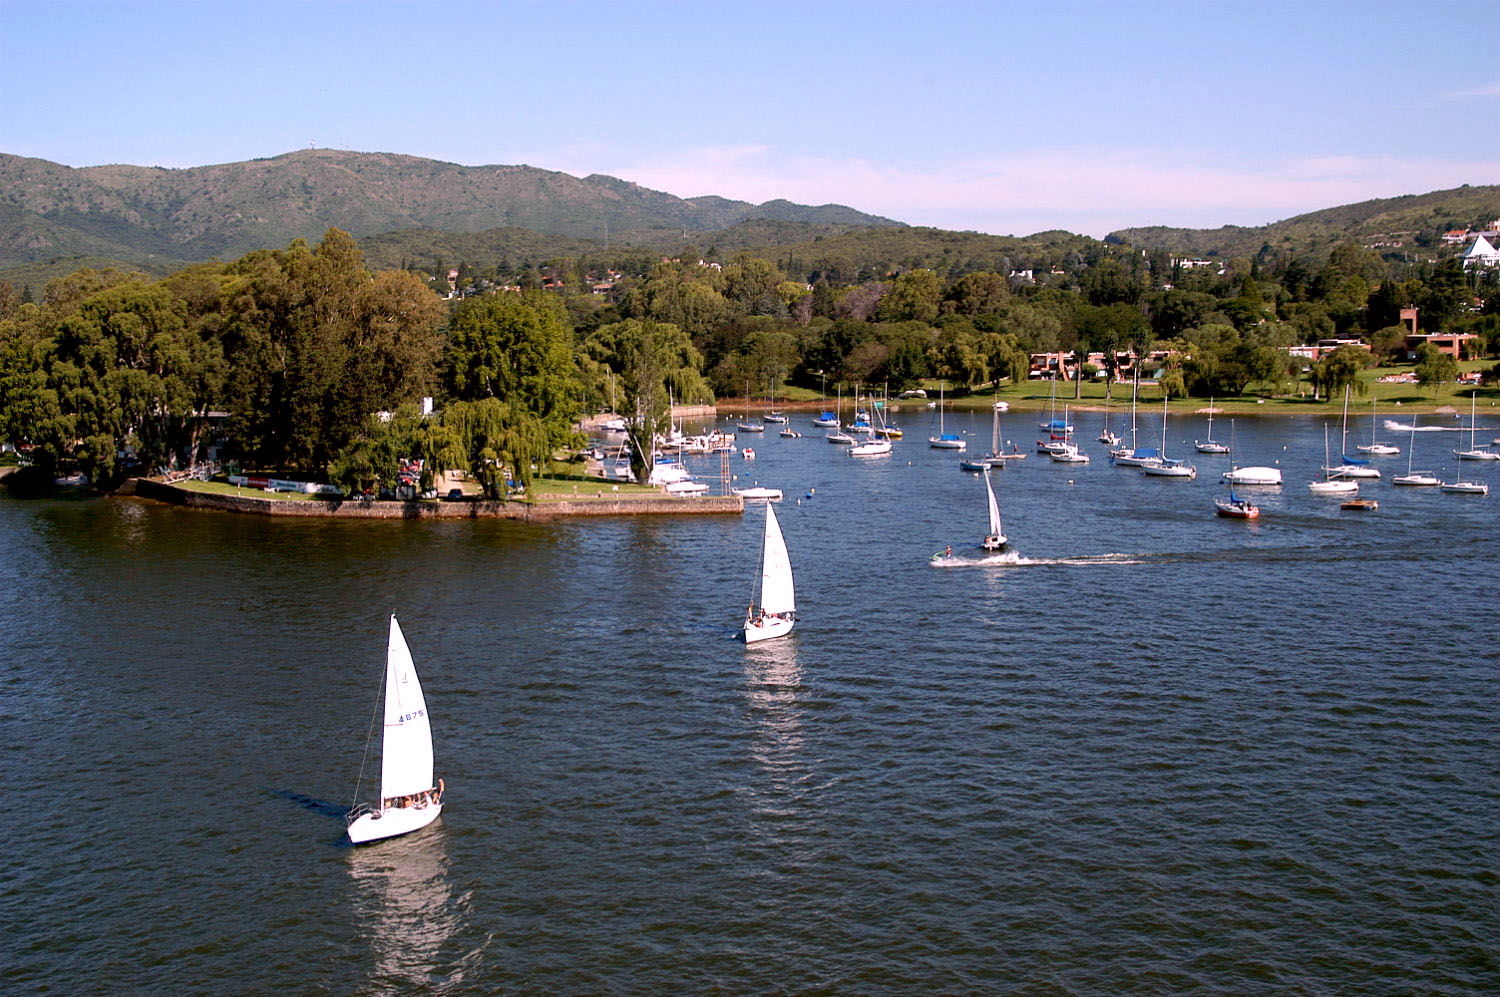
point(1379, 449)
point(1253, 476)
point(1169, 471)
point(1336, 487)
point(1465, 488)
point(938, 443)
point(1417, 480)
point(768, 628)
point(759, 494)
point(378, 824)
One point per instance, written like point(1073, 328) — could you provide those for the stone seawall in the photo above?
point(379, 509)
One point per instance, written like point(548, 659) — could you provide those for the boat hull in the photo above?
point(379, 824)
point(766, 630)
point(1253, 476)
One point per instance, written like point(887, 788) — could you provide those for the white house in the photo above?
point(1481, 254)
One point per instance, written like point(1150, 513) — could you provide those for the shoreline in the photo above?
point(150, 490)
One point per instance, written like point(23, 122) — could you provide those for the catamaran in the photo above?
point(409, 799)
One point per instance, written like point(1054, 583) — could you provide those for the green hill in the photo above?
point(158, 218)
point(1414, 221)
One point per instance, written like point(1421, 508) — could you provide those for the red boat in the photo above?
point(1235, 507)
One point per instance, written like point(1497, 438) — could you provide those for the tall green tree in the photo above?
point(656, 364)
point(518, 349)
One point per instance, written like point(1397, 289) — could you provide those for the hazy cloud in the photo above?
point(1092, 191)
point(1492, 90)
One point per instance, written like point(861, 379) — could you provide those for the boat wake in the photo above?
point(1406, 427)
point(1013, 559)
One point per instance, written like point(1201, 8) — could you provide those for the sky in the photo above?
point(1005, 118)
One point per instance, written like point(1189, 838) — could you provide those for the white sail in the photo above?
point(406, 751)
point(777, 594)
point(994, 508)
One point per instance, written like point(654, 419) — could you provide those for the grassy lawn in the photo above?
point(1036, 395)
point(576, 487)
point(224, 488)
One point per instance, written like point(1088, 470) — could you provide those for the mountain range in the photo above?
point(160, 219)
point(56, 218)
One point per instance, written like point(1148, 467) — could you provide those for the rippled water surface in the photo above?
point(1147, 752)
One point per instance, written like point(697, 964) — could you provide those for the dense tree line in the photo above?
point(303, 360)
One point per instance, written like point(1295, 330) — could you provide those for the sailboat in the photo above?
point(1235, 507)
point(749, 425)
point(1418, 479)
point(1474, 453)
point(1208, 445)
point(1350, 467)
point(1458, 485)
point(1105, 436)
point(778, 598)
point(1331, 485)
point(1374, 447)
point(995, 539)
point(838, 435)
point(1133, 455)
point(945, 440)
point(996, 457)
point(409, 799)
point(1161, 466)
point(1068, 452)
point(875, 445)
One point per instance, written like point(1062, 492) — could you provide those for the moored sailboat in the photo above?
point(1414, 479)
point(945, 440)
point(1331, 485)
point(1208, 445)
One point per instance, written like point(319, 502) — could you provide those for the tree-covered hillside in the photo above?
point(141, 215)
point(1407, 227)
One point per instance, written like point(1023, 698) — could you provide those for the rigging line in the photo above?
point(369, 737)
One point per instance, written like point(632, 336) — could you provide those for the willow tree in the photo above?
point(516, 349)
point(656, 364)
point(499, 443)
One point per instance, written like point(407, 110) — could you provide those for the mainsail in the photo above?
point(994, 509)
point(777, 594)
point(406, 751)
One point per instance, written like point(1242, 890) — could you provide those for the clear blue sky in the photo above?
point(998, 117)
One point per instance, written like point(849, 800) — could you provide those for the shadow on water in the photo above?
point(323, 808)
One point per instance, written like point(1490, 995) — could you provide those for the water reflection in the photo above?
point(773, 681)
point(404, 909)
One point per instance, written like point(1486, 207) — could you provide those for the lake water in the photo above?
point(1151, 752)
